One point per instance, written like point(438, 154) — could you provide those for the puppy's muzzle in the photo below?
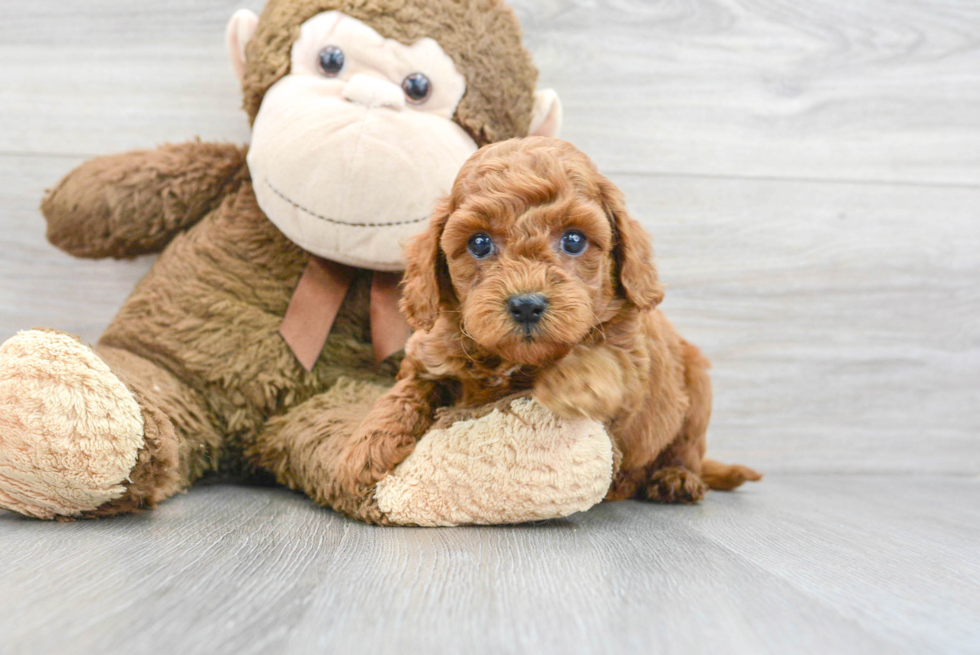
point(527, 308)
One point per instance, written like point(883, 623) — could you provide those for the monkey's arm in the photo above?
point(132, 204)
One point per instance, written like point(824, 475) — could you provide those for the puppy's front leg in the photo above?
point(389, 433)
point(589, 381)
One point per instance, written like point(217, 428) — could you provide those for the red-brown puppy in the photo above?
point(532, 276)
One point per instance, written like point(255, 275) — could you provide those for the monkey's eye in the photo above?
point(417, 87)
point(331, 61)
point(573, 243)
point(480, 246)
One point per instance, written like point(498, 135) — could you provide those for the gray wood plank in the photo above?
point(54, 23)
point(870, 90)
point(39, 285)
point(842, 319)
point(861, 90)
point(811, 565)
point(876, 550)
point(111, 75)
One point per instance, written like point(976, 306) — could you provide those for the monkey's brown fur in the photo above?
point(601, 349)
point(197, 341)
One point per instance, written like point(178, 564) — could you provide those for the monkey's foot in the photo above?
point(70, 430)
point(675, 485)
point(517, 463)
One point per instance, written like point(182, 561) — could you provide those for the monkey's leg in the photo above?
point(510, 462)
point(87, 433)
point(305, 448)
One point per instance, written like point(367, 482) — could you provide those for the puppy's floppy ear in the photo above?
point(426, 287)
point(632, 250)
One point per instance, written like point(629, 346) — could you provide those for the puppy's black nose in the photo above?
point(527, 308)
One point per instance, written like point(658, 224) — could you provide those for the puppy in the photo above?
point(532, 277)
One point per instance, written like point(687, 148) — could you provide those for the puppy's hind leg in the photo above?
point(675, 476)
point(681, 473)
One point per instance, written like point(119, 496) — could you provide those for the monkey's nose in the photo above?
point(373, 92)
point(527, 308)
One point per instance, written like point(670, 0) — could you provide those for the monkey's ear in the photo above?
point(426, 287)
point(546, 114)
point(239, 32)
point(632, 250)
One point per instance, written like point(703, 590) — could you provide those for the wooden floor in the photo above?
point(801, 564)
point(811, 174)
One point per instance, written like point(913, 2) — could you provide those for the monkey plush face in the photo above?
point(356, 134)
point(351, 150)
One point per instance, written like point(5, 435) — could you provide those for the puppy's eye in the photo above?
point(417, 87)
point(331, 61)
point(573, 243)
point(480, 246)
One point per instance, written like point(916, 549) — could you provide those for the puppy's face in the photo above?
point(529, 254)
point(532, 269)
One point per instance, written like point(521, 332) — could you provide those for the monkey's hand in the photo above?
point(134, 203)
point(588, 382)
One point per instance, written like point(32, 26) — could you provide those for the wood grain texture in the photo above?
point(39, 285)
point(802, 565)
point(843, 319)
point(112, 75)
point(869, 90)
point(826, 89)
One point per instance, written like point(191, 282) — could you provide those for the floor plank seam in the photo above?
point(612, 172)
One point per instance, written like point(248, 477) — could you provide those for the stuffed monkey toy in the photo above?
point(268, 325)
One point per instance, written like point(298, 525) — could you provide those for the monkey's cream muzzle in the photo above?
point(344, 165)
point(369, 91)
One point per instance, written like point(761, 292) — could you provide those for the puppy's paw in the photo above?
point(675, 485)
point(586, 383)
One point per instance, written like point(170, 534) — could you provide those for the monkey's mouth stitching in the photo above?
point(334, 220)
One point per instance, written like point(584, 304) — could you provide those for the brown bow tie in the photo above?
point(316, 301)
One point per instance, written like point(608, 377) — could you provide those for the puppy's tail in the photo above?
point(725, 477)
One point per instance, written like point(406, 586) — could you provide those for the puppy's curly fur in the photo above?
point(597, 345)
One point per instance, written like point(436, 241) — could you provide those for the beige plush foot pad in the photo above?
point(527, 465)
point(70, 430)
